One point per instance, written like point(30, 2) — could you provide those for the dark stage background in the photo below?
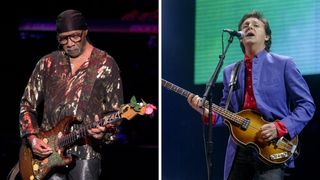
point(183, 156)
point(128, 31)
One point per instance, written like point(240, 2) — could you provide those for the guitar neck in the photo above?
point(81, 132)
point(215, 108)
point(176, 88)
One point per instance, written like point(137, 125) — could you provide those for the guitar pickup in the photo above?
point(245, 124)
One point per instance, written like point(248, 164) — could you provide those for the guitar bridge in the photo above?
point(245, 124)
point(279, 156)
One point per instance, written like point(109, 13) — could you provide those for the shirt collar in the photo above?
point(259, 54)
point(247, 58)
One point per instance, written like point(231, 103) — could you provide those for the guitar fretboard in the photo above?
point(77, 134)
point(215, 108)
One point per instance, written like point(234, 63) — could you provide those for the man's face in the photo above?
point(255, 33)
point(72, 42)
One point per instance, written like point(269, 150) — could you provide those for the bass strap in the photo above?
point(233, 82)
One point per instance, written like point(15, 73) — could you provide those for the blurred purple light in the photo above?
point(122, 27)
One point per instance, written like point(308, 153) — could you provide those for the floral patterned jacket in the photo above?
point(96, 88)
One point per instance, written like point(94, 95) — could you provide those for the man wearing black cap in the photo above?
point(77, 80)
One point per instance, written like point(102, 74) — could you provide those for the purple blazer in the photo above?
point(277, 83)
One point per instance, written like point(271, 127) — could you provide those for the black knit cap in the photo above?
point(70, 20)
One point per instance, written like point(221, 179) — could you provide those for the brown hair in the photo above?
point(259, 16)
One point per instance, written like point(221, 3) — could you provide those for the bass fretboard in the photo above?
point(215, 108)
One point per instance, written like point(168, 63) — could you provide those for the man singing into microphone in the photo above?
point(271, 85)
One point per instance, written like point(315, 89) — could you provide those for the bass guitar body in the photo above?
point(34, 167)
point(247, 133)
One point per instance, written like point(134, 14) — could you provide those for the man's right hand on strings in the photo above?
point(39, 147)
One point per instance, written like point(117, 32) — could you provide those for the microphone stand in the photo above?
point(208, 95)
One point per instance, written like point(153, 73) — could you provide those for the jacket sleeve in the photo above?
point(299, 95)
point(113, 90)
point(113, 97)
point(32, 96)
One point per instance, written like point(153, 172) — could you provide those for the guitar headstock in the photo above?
point(129, 111)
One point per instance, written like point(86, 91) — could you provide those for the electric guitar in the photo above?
point(245, 130)
point(59, 139)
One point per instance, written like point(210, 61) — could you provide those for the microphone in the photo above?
point(239, 34)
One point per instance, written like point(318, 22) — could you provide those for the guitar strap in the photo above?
point(88, 83)
point(233, 82)
point(14, 172)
